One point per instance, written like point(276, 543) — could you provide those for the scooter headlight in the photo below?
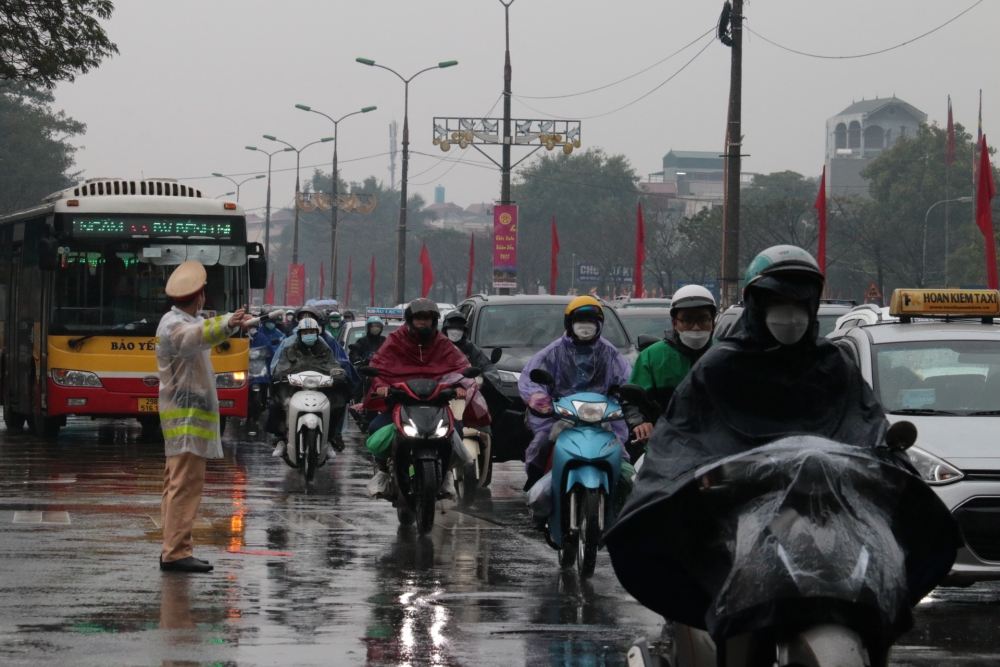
point(590, 412)
point(441, 430)
point(311, 382)
point(410, 430)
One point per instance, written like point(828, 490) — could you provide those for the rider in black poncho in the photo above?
point(773, 379)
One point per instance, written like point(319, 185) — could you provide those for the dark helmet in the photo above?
point(349, 316)
point(455, 320)
point(421, 306)
point(308, 311)
point(783, 261)
point(580, 308)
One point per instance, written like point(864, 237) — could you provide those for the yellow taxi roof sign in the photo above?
point(959, 302)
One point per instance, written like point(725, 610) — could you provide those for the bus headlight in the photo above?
point(69, 378)
point(233, 380)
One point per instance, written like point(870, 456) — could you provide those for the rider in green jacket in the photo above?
point(662, 366)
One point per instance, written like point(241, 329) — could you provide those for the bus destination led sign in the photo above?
point(150, 228)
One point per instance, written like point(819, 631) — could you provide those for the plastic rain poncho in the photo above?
point(575, 368)
point(338, 351)
point(189, 404)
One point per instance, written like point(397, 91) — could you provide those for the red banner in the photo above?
point(427, 273)
point(985, 191)
point(296, 287)
point(504, 246)
point(472, 266)
point(269, 294)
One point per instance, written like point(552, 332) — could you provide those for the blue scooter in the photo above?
point(586, 468)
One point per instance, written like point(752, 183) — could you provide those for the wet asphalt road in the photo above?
point(318, 577)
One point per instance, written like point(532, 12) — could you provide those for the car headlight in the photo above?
point(410, 430)
point(590, 412)
point(933, 470)
point(233, 380)
point(69, 378)
point(509, 376)
point(441, 430)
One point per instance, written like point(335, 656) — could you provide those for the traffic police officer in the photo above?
point(189, 408)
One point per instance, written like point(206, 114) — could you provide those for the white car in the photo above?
point(944, 376)
point(863, 315)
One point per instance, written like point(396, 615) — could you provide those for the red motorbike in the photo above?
point(425, 444)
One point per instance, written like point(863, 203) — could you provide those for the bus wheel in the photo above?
point(13, 420)
point(151, 431)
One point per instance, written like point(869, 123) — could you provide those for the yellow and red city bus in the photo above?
point(82, 281)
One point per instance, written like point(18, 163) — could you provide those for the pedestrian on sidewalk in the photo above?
point(189, 408)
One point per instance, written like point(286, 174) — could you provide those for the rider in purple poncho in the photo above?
point(580, 361)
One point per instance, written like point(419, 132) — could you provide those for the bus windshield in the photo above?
point(119, 286)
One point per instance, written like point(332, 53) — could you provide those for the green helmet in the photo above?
point(786, 260)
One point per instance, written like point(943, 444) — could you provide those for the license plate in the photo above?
point(149, 405)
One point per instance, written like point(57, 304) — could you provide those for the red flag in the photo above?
point(269, 294)
point(322, 280)
point(949, 153)
point(554, 273)
point(350, 270)
point(427, 275)
point(472, 265)
point(820, 207)
point(985, 190)
point(372, 272)
point(640, 252)
point(295, 288)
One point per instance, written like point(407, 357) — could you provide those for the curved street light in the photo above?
point(225, 194)
point(267, 213)
point(923, 261)
point(336, 187)
point(238, 185)
point(298, 159)
point(401, 243)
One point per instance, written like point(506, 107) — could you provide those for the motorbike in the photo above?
point(260, 375)
point(363, 418)
point(586, 468)
point(308, 416)
point(478, 444)
point(808, 565)
point(425, 446)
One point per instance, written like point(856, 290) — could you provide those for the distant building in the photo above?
point(859, 134)
point(447, 215)
point(691, 180)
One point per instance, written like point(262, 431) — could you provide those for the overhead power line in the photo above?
point(631, 76)
point(871, 53)
point(638, 99)
point(306, 166)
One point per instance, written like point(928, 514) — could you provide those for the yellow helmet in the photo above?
point(582, 303)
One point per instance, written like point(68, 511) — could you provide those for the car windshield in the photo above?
point(534, 325)
point(827, 323)
point(638, 322)
point(121, 285)
point(959, 377)
point(354, 334)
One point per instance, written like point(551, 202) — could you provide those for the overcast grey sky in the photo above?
point(196, 81)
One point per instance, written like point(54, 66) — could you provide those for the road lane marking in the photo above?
point(32, 516)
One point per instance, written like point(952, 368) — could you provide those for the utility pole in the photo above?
point(733, 16)
point(505, 168)
point(392, 154)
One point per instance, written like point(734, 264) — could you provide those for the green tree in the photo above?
point(593, 197)
point(46, 41)
point(35, 157)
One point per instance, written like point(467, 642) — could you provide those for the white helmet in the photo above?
point(307, 323)
point(692, 296)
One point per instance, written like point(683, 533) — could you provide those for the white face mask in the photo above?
point(695, 339)
point(455, 335)
point(787, 323)
point(584, 330)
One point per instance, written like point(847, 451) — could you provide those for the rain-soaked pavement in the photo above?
point(318, 577)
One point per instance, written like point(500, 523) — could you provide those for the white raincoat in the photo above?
point(189, 403)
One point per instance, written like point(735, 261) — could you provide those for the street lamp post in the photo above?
point(225, 194)
point(401, 243)
point(335, 189)
point(923, 261)
point(298, 160)
point(267, 214)
point(238, 185)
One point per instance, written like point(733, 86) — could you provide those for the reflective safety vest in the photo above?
point(189, 403)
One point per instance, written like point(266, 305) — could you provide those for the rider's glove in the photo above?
point(540, 403)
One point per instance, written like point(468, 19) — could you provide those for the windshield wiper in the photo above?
point(110, 331)
point(982, 413)
point(921, 411)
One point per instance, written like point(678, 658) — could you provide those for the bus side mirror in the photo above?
point(257, 267)
point(496, 354)
point(48, 253)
